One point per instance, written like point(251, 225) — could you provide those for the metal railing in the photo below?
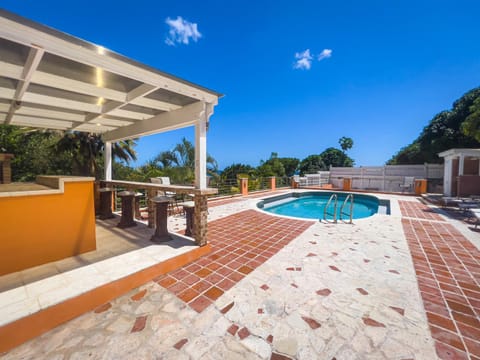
point(349, 197)
point(325, 210)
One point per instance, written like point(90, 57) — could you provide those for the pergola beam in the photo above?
point(177, 119)
point(33, 59)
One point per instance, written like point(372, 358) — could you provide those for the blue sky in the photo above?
point(388, 67)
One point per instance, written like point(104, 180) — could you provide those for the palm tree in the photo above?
point(179, 163)
point(86, 150)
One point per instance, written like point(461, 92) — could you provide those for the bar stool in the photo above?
point(189, 210)
point(161, 213)
point(127, 209)
point(138, 215)
point(105, 203)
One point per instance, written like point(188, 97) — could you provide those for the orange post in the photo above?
point(347, 184)
point(420, 186)
point(244, 186)
point(273, 183)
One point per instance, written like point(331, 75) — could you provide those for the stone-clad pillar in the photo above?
point(200, 220)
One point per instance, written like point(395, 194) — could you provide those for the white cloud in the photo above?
point(326, 53)
point(181, 31)
point(303, 60)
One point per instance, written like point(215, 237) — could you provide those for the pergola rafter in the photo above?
point(52, 80)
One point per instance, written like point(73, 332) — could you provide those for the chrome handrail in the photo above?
point(349, 196)
point(333, 196)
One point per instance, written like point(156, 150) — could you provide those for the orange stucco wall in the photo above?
point(38, 229)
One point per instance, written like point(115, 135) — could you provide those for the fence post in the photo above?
point(384, 171)
point(273, 184)
point(244, 186)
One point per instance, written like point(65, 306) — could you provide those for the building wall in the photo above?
point(37, 229)
point(468, 185)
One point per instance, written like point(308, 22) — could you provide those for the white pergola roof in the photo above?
point(453, 153)
point(52, 80)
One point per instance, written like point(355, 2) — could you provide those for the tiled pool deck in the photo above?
point(404, 286)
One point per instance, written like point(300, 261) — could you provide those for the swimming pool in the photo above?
point(311, 205)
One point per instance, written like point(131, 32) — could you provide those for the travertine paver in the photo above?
point(337, 291)
point(448, 270)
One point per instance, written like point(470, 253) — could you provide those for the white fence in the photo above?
point(387, 178)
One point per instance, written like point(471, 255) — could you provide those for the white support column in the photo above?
point(461, 164)
point(108, 160)
point(447, 177)
point(201, 147)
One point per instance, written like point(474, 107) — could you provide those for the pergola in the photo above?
point(52, 80)
point(461, 172)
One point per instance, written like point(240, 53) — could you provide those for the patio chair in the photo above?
point(165, 180)
point(407, 183)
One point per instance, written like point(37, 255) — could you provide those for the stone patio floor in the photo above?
point(404, 286)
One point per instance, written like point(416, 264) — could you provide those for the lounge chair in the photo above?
point(407, 183)
point(476, 215)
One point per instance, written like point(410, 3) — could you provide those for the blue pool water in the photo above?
point(311, 205)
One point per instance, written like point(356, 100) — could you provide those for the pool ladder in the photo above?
point(334, 198)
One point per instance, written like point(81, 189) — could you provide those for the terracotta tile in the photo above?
point(191, 279)
point(180, 344)
point(139, 295)
point(227, 308)
point(277, 356)
point(102, 308)
point(447, 337)
point(447, 352)
point(226, 284)
point(440, 321)
point(371, 322)
point(314, 324)
point(334, 268)
point(467, 310)
point(473, 346)
point(139, 324)
point(203, 272)
point(399, 310)
point(201, 286)
point(362, 291)
point(179, 274)
point(213, 293)
point(224, 271)
point(188, 294)
point(178, 288)
point(466, 319)
point(235, 276)
point(232, 330)
point(167, 281)
point(243, 333)
point(324, 292)
point(264, 287)
point(245, 270)
point(200, 303)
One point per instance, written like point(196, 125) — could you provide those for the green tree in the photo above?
point(271, 167)
point(346, 143)
point(33, 152)
point(311, 164)
point(231, 173)
point(471, 125)
point(86, 151)
point(335, 157)
point(290, 165)
point(179, 163)
point(455, 128)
